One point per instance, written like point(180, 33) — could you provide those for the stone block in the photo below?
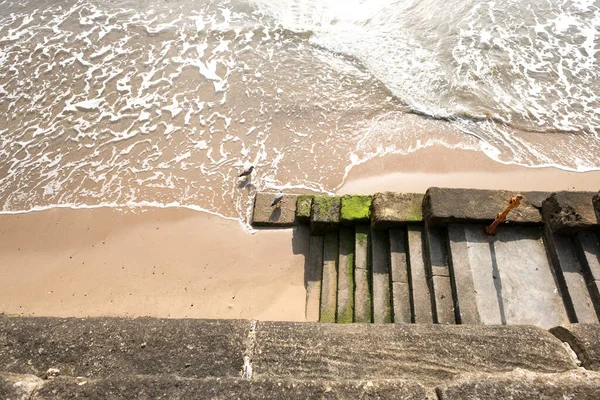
point(421, 295)
point(398, 255)
point(391, 209)
point(442, 296)
point(427, 353)
point(324, 214)
point(355, 209)
point(442, 206)
point(536, 198)
point(314, 277)
point(303, 207)
point(523, 385)
point(571, 278)
point(382, 305)
point(584, 339)
point(329, 283)
point(345, 283)
point(401, 303)
point(362, 274)
point(281, 215)
point(102, 347)
point(172, 387)
point(570, 212)
point(462, 275)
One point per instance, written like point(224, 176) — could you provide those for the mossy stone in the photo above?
point(355, 208)
point(303, 206)
point(325, 214)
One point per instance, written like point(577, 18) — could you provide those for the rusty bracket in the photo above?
point(501, 217)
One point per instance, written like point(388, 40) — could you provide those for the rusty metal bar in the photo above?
point(501, 217)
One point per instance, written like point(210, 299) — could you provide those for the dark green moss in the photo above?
point(325, 214)
point(355, 208)
point(303, 206)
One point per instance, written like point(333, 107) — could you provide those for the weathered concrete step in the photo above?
point(523, 385)
point(102, 347)
point(571, 277)
point(362, 274)
point(443, 206)
point(329, 283)
point(391, 209)
point(437, 265)
point(173, 387)
point(512, 280)
point(570, 212)
point(314, 277)
point(427, 353)
point(382, 304)
point(584, 339)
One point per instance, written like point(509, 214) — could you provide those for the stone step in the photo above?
point(523, 385)
point(436, 259)
point(314, 278)
point(570, 212)
point(509, 288)
point(173, 387)
point(362, 274)
point(399, 274)
point(419, 283)
point(330, 273)
point(571, 277)
point(382, 305)
point(345, 278)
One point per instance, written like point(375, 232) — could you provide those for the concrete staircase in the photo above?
point(409, 258)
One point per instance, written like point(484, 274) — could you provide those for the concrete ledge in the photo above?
point(524, 385)
point(172, 387)
point(282, 215)
point(102, 347)
point(391, 209)
point(584, 340)
point(426, 353)
point(570, 212)
point(443, 206)
point(324, 214)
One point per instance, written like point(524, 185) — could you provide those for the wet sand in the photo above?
point(182, 263)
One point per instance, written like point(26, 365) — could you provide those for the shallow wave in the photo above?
point(130, 103)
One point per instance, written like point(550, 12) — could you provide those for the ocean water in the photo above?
point(129, 103)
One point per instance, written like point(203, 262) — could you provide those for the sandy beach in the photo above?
point(177, 262)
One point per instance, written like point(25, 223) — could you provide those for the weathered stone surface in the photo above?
point(151, 387)
point(398, 256)
point(281, 215)
point(436, 255)
point(303, 206)
point(584, 339)
point(588, 248)
point(524, 385)
point(345, 283)
point(399, 275)
point(536, 198)
point(362, 274)
point(427, 353)
point(329, 283)
point(421, 295)
point(18, 387)
point(524, 280)
point(596, 203)
point(382, 305)
point(102, 347)
point(571, 278)
point(442, 297)
point(462, 276)
point(570, 212)
point(313, 279)
point(392, 209)
point(355, 209)
point(324, 214)
point(443, 206)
